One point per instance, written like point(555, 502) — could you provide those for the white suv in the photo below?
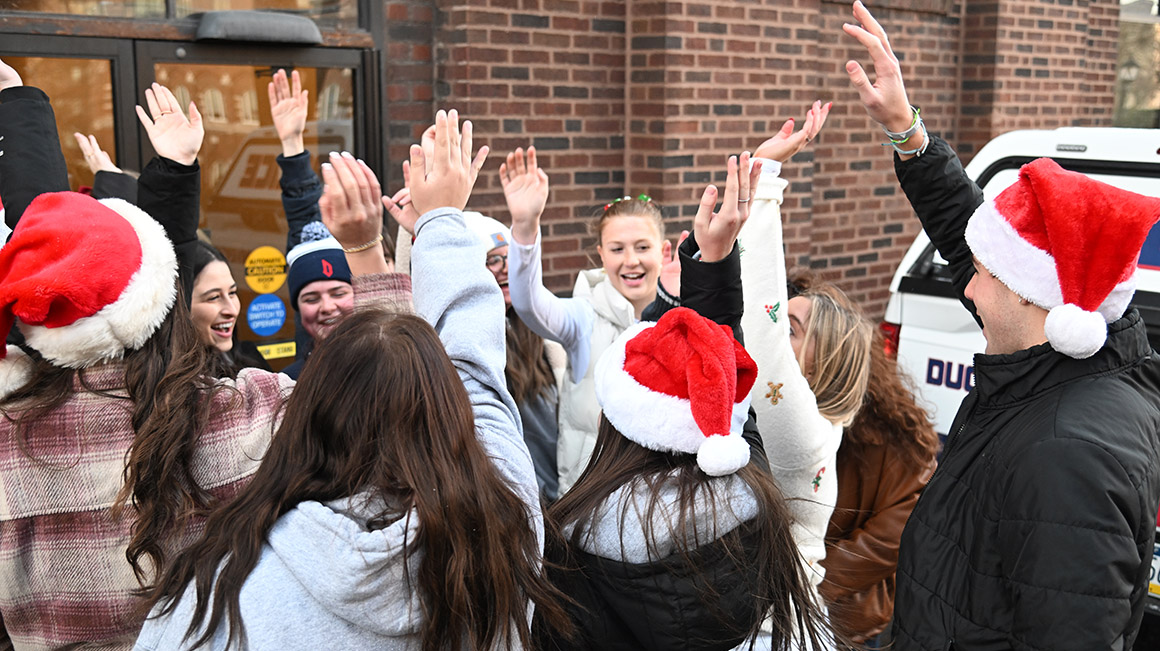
point(935, 336)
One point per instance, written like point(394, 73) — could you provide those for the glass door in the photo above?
point(241, 208)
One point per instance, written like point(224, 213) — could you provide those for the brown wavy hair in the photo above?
point(780, 588)
point(168, 391)
point(381, 412)
point(527, 371)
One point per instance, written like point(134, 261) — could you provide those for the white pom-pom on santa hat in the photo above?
point(1067, 243)
point(1075, 332)
point(680, 385)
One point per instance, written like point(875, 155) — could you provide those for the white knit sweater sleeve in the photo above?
point(797, 437)
point(567, 321)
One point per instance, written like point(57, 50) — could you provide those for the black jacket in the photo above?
point(1036, 530)
point(31, 162)
point(670, 604)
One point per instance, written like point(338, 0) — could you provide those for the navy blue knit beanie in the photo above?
point(317, 260)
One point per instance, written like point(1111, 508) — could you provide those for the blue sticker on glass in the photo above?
point(266, 315)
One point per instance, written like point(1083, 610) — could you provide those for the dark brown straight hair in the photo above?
point(381, 411)
point(168, 393)
point(527, 371)
point(783, 592)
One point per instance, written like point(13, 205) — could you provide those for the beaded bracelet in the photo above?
point(901, 138)
point(363, 247)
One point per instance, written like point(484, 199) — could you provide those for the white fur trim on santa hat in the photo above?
point(1075, 332)
point(723, 455)
point(1026, 269)
point(15, 371)
point(654, 420)
point(124, 324)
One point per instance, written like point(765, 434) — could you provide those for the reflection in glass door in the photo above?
point(241, 208)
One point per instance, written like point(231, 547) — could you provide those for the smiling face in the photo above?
point(496, 263)
point(215, 305)
point(322, 304)
point(798, 309)
point(631, 253)
point(1005, 325)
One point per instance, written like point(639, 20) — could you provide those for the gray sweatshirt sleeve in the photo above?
point(456, 294)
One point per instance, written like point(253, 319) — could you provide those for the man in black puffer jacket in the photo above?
point(1036, 531)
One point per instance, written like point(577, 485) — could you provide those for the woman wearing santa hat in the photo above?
point(675, 536)
point(115, 435)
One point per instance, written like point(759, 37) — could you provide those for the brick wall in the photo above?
point(652, 95)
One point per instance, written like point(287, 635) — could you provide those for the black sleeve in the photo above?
point(115, 185)
point(31, 162)
point(661, 304)
point(171, 193)
point(944, 198)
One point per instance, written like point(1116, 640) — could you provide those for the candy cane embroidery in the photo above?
point(817, 480)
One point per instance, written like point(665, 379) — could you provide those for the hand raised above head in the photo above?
point(885, 99)
point(351, 202)
point(446, 177)
point(716, 232)
point(97, 159)
point(173, 135)
point(400, 206)
point(9, 78)
point(525, 187)
point(785, 143)
point(289, 105)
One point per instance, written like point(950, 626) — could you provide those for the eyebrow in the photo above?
point(797, 321)
point(215, 289)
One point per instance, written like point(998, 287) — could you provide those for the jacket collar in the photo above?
point(1005, 379)
point(610, 304)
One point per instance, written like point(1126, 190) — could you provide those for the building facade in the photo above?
point(619, 97)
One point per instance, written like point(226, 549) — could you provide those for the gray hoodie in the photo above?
point(324, 581)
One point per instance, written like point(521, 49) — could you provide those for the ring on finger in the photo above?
point(743, 201)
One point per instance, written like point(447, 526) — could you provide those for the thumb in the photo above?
point(418, 171)
point(681, 240)
point(194, 116)
point(787, 128)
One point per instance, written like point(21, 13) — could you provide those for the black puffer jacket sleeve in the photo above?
point(31, 162)
point(944, 198)
point(115, 185)
point(171, 193)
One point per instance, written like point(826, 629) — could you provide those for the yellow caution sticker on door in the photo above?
point(278, 350)
point(265, 269)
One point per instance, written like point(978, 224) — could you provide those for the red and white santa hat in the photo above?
point(84, 280)
point(680, 385)
point(1066, 243)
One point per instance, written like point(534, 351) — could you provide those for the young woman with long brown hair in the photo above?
point(676, 536)
point(397, 507)
point(116, 435)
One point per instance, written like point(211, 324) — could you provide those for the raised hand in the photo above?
point(400, 206)
point(98, 159)
point(173, 135)
point(885, 99)
point(445, 178)
point(525, 187)
point(289, 105)
point(9, 78)
point(785, 143)
point(350, 201)
point(716, 232)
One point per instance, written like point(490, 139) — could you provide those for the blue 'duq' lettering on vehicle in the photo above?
point(950, 374)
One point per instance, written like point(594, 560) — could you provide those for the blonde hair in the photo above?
point(641, 206)
point(842, 338)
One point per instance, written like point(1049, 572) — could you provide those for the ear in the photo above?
point(667, 251)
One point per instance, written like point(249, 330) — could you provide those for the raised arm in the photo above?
point(31, 162)
point(169, 189)
point(564, 320)
point(928, 170)
point(109, 181)
point(301, 187)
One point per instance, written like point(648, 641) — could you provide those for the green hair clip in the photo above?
point(640, 197)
